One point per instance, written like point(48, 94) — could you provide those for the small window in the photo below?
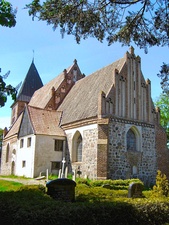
point(55, 165)
point(29, 142)
point(58, 145)
point(23, 163)
point(21, 143)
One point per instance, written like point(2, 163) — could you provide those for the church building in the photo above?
point(105, 125)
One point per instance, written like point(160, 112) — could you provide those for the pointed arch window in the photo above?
point(77, 147)
point(7, 153)
point(131, 141)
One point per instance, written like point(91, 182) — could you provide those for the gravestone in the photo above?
point(135, 190)
point(61, 189)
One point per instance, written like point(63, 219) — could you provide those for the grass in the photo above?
point(101, 206)
point(9, 185)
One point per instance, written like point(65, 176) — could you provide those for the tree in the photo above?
point(161, 188)
point(7, 14)
point(163, 103)
point(8, 19)
point(164, 75)
point(146, 22)
point(6, 90)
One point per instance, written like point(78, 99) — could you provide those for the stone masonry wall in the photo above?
point(6, 166)
point(88, 166)
point(148, 166)
point(89, 157)
point(121, 162)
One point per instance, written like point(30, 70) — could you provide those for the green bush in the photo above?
point(161, 188)
point(30, 205)
point(83, 181)
point(114, 184)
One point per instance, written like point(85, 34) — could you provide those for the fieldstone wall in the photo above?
point(121, 161)
point(148, 165)
point(88, 166)
point(6, 164)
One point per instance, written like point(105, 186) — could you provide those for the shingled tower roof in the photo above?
point(31, 83)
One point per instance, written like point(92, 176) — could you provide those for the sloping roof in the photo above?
point(15, 127)
point(42, 96)
point(82, 100)
point(45, 122)
point(31, 83)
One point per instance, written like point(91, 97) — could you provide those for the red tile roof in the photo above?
point(45, 122)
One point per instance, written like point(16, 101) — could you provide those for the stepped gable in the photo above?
point(82, 100)
point(53, 93)
point(42, 96)
point(46, 122)
point(31, 83)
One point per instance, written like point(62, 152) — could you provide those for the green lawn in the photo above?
point(94, 205)
point(9, 185)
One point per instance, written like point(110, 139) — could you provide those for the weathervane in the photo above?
point(33, 55)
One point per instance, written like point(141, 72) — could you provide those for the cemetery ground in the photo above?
point(26, 202)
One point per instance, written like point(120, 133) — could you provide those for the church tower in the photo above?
point(31, 83)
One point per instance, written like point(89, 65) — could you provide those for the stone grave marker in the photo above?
point(135, 190)
point(61, 189)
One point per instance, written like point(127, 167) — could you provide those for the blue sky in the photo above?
point(52, 54)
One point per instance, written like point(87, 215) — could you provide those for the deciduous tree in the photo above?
point(164, 75)
point(145, 22)
point(163, 103)
point(7, 14)
point(8, 19)
point(6, 90)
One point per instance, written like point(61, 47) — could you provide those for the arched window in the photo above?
point(7, 153)
point(77, 147)
point(131, 141)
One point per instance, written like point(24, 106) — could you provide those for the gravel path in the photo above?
point(26, 181)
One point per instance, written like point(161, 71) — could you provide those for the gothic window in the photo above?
point(7, 153)
point(131, 141)
point(77, 148)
